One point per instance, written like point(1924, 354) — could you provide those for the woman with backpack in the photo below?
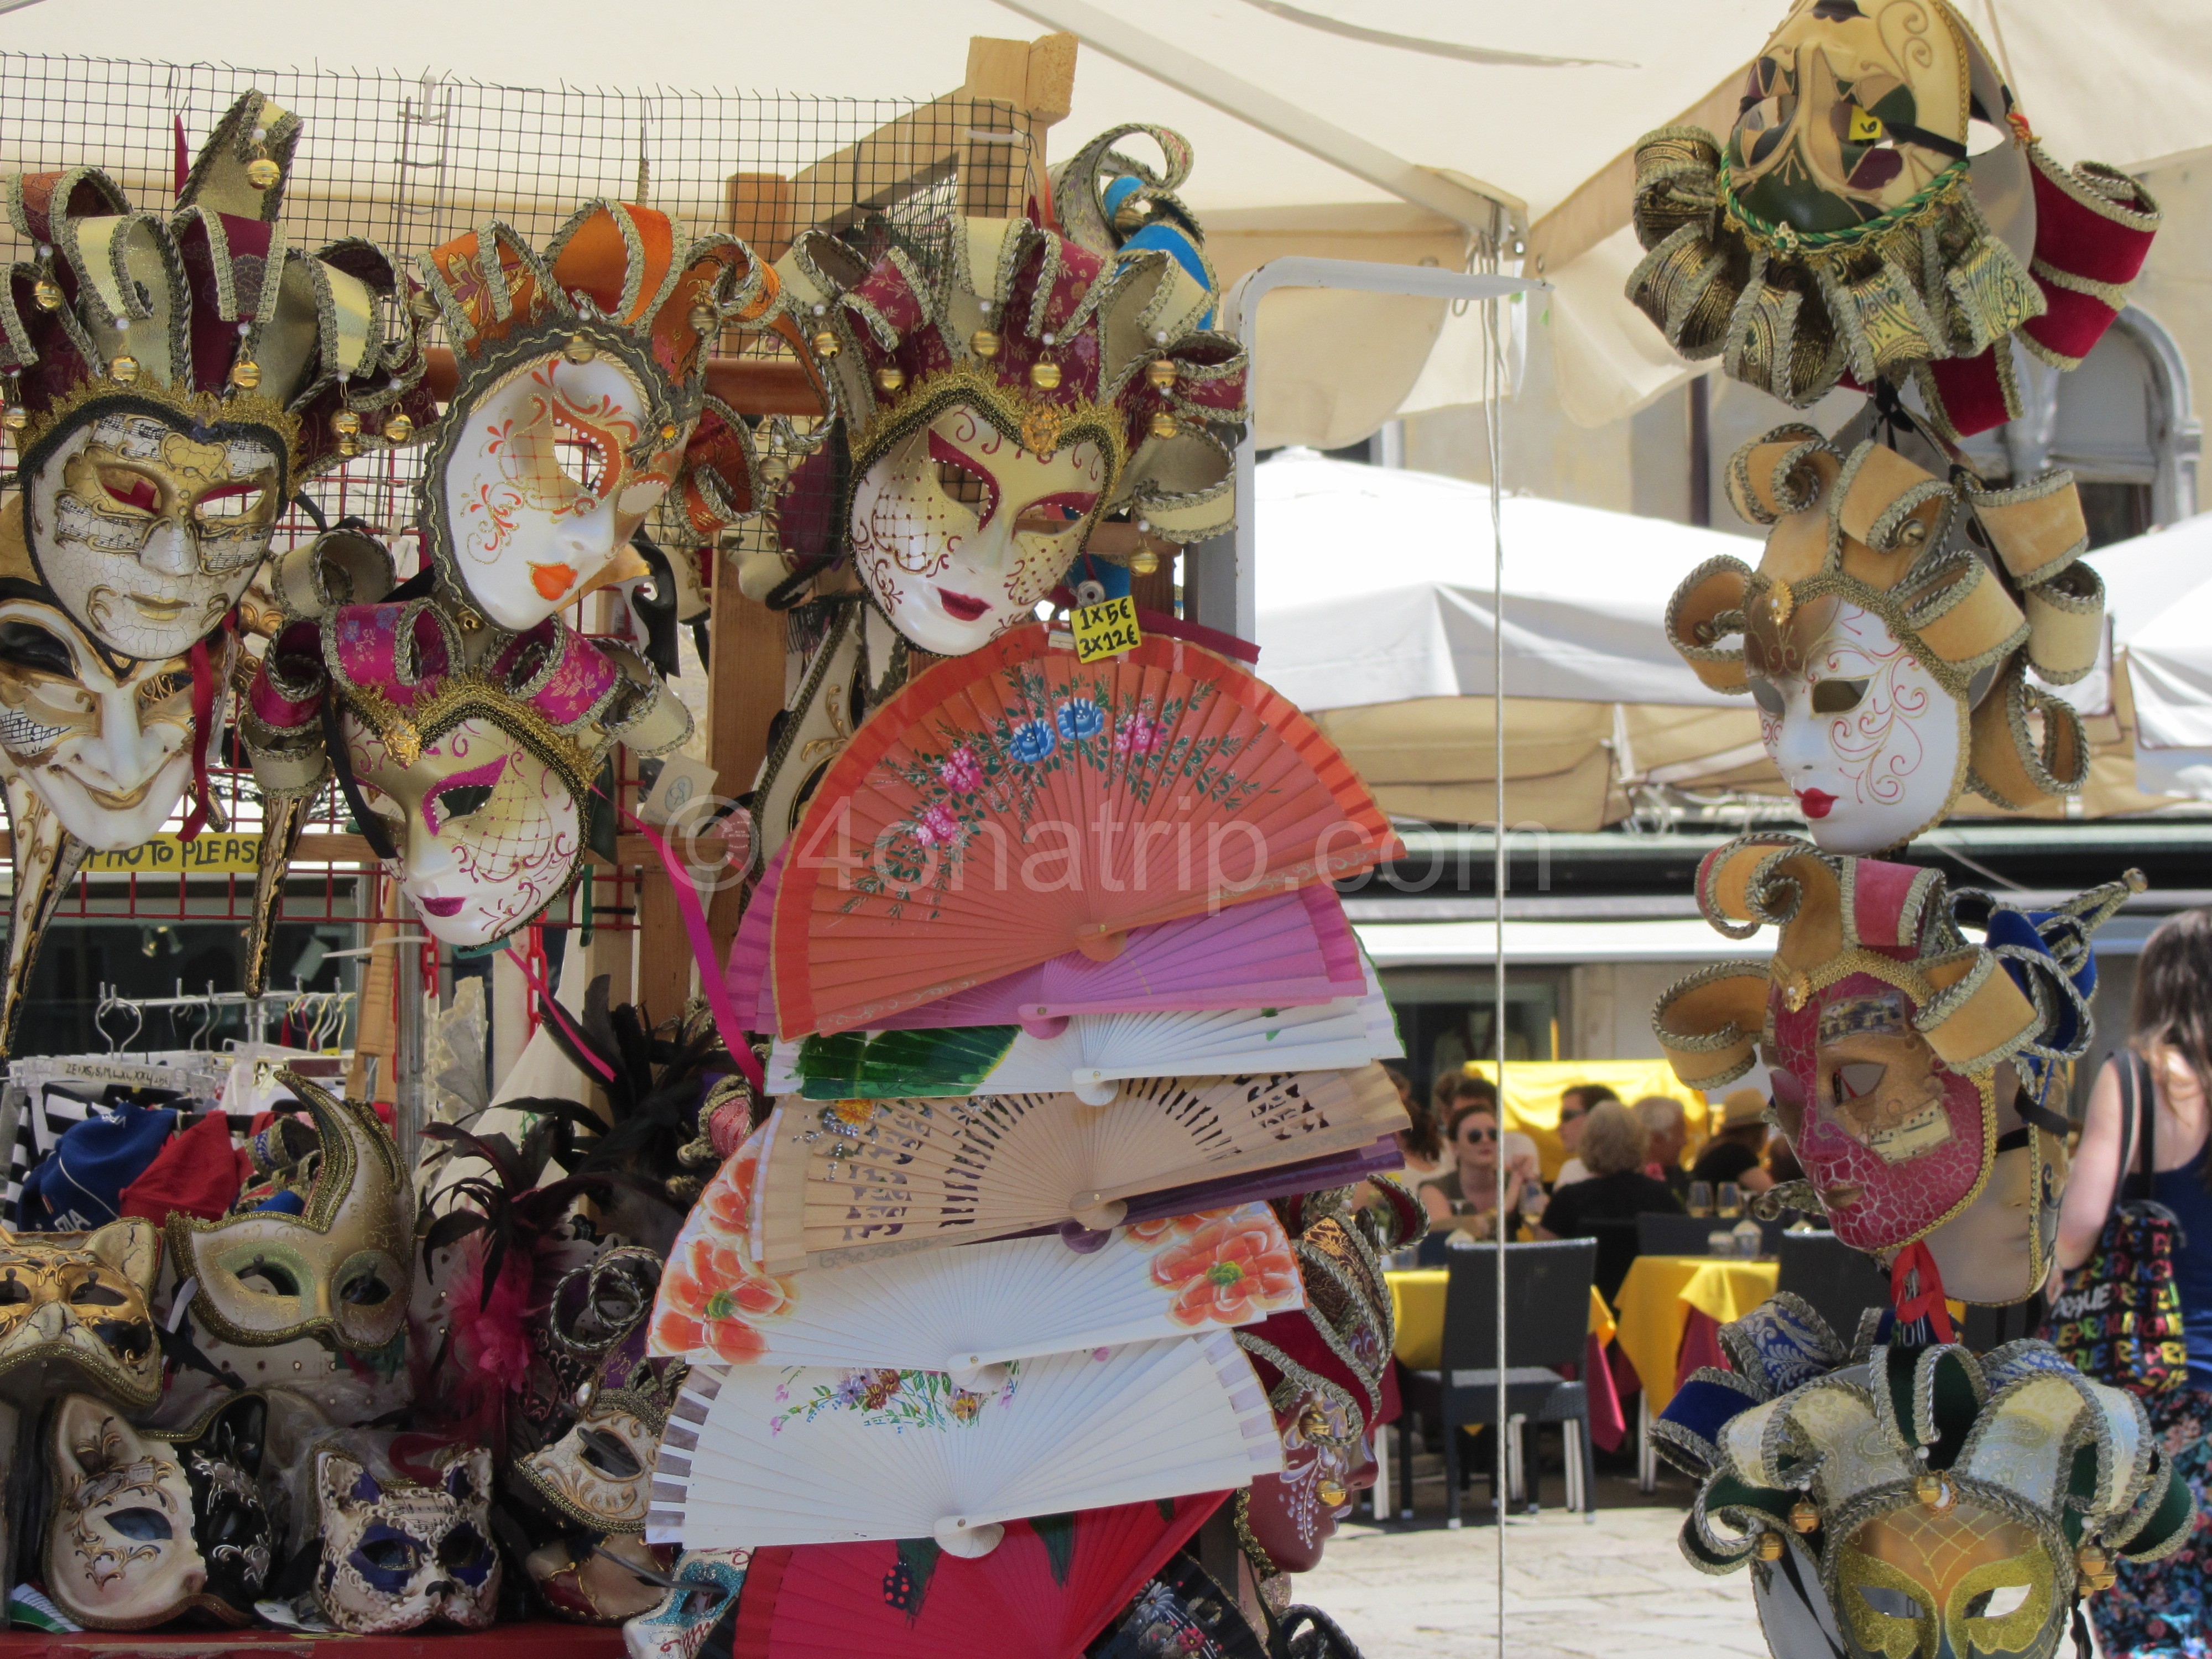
point(2135, 1244)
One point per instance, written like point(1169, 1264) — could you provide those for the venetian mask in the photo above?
point(146, 526)
point(110, 753)
point(1922, 1584)
point(1866, 738)
point(545, 475)
point(1894, 1141)
point(1850, 110)
point(339, 1271)
point(231, 1526)
point(706, 1582)
point(604, 1582)
point(77, 1301)
point(600, 1472)
point(1328, 1459)
point(959, 531)
point(1998, 1249)
point(406, 1535)
point(120, 1552)
point(487, 834)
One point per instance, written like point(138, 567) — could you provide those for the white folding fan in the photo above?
point(1090, 1054)
point(857, 1179)
point(755, 1455)
point(960, 1310)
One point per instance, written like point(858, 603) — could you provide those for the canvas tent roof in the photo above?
point(1432, 86)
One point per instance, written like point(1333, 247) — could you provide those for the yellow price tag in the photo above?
point(1866, 128)
point(1106, 630)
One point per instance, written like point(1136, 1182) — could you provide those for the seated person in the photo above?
point(1465, 1201)
point(1422, 1141)
point(1575, 1104)
point(1668, 1126)
point(1615, 1146)
point(1739, 1139)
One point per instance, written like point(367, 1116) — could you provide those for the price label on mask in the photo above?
point(1106, 630)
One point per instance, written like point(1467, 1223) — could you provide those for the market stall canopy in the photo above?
point(1289, 108)
point(2159, 597)
point(1376, 615)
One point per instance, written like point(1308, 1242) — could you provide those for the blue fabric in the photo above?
point(1113, 578)
point(2182, 1191)
point(283, 1204)
point(80, 1183)
point(1707, 1408)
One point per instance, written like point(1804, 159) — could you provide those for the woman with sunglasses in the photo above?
point(1466, 1200)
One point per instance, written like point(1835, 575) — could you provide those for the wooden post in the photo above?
point(745, 675)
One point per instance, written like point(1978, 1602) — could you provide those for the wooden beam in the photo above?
point(745, 692)
point(763, 213)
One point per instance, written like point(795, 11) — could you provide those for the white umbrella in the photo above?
point(2158, 596)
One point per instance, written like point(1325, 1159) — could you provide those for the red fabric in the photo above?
point(195, 1173)
point(1626, 1381)
point(1927, 1302)
point(1972, 395)
point(2075, 238)
point(1608, 1423)
point(2072, 324)
point(1394, 1403)
point(1701, 1346)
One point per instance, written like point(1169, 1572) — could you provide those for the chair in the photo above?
point(1837, 1281)
point(1547, 1289)
point(1674, 1235)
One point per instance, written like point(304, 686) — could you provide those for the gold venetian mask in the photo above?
point(77, 1301)
point(338, 1272)
point(1920, 1583)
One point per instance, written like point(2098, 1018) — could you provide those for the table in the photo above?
point(1417, 1301)
point(1660, 1294)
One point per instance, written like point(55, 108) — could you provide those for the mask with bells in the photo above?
point(1907, 1062)
point(339, 1271)
point(581, 405)
point(1914, 1502)
point(1844, 227)
point(1887, 634)
point(1323, 1366)
point(180, 376)
point(473, 781)
point(74, 1305)
point(405, 1526)
point(997, 403)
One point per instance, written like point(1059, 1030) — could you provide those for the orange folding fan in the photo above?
point(1014, 805)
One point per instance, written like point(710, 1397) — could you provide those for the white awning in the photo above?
point(1462, 944)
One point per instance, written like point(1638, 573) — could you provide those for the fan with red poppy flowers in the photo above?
point(1051, 1585)
point(758, 1454)
point(960, 1310)
point(1014, 805)
point(857, 1179)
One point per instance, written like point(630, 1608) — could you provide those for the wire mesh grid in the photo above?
point(410, 163)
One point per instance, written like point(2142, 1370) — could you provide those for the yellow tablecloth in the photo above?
point(1417, 1300)
point(1655, 1300)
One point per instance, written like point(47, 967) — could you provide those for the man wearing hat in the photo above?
point(1739, 1138)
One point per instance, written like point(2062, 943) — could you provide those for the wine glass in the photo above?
point(1731, 1201)
point(1701, 1198)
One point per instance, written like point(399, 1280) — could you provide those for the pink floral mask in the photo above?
point(959, 532)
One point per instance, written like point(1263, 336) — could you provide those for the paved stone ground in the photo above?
point(1617, 1589)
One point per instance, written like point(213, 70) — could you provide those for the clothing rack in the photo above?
point(258, 1008)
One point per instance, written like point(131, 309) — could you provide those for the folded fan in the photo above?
point(1014, 805)
point(756, 1455)
point(1051, 1586)
point(1090, 1054)
point(1284, 951)
point(961, 1309)
point(854, 1179)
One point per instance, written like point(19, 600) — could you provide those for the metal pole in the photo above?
point(1493, 426)
point(408, 1106)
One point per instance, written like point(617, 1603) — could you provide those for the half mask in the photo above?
point(999, 400)
point(599, 1474)
point(1882, 212)
point(1888, 655)
point(339, 1271)
point(1323, 1366)
point(473, 781)
point(405, 1526)
point(607, 1580)
point(216, 1561)
point(581, 407)
point(73, 1310)
point(1908, 1062)
point(1915, 1502)
point(181, 377)
point(707, 1583)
